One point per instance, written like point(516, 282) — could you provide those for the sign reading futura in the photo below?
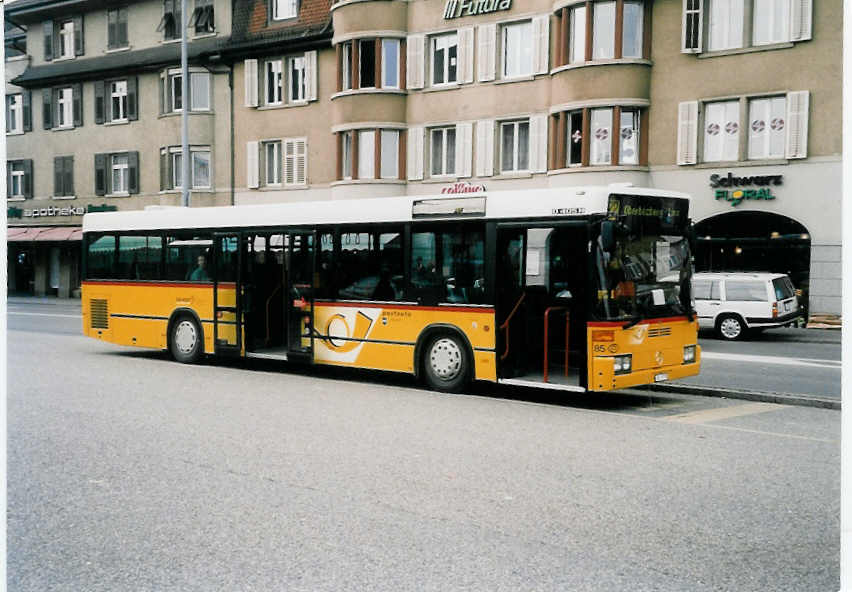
point(457, 8)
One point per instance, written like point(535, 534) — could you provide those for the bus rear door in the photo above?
point(227, 311)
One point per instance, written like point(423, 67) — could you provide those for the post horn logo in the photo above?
point(341, 338)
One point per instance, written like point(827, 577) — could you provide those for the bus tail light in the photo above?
point(603, 335)
point(689, 354)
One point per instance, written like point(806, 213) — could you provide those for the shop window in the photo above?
point(139, 257)
point(721, 131)
point(447, 265)
point(515, 146)
point(370, 265)
point(117, 28)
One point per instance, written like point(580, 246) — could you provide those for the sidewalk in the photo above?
point(42, 300)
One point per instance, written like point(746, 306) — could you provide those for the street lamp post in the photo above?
point(184, 115)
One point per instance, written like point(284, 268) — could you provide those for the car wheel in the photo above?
point(446, 365)
point(730, 328)
point(186, 342)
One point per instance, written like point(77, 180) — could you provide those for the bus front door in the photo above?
point(300, 294)
point(227, 311)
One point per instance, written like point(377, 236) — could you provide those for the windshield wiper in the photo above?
point(632, 322)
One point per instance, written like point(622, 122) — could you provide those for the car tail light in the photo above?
point(774, 310)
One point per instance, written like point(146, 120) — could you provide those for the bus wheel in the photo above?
point(186, 340)
point(730, 327)
point(446, 363)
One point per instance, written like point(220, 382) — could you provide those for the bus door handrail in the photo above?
point(268, 301)
point(505, 325)
point(546, 344)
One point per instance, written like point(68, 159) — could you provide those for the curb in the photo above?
point(761, 396)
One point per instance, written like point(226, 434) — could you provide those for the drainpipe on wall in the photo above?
point(231, 91)
point(184, 115)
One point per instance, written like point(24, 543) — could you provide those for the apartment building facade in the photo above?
point(736, 102)
point(733, 101)
point(93, 123)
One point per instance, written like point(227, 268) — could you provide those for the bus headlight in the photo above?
point(688, 354)
point(622, 364)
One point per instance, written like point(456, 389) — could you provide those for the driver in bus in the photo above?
point(200, 272)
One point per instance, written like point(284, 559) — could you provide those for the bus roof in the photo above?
point(527, 203)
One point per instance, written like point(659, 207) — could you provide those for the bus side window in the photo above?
point(139, 257)
point(100, 258)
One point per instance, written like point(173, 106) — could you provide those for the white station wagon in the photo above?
point(735, 303)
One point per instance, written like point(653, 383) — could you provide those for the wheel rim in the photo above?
point(445, 358)
point(185, 337)
point(731, 328)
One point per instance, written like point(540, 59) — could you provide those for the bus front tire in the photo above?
point(186, 341)
point(730, 327)
point(446, 363)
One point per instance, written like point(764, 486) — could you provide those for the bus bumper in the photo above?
point(604, 377)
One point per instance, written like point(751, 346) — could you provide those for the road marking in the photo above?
point(783, 361)
point(708, 415)
point(44, 314)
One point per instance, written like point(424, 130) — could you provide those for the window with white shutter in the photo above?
point(464, 149)
point(465, 37)
point(721, 131)
point(485, 148)
point(311, 74)
point(687, 132)
point(538, 143)
point(797, 124)
point(541, 44)
point(415, 154)
point(295, 161)
point(251, 83)
point(252, 165)
point(487, 51)
point(800, 20)
point(693, 19)
point(415, 61)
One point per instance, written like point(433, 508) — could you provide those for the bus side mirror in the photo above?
point(607, 235)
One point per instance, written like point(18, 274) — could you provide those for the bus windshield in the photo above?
point(645, 271)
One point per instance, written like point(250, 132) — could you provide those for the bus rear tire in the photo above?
point(186, 340)
point(446, 363)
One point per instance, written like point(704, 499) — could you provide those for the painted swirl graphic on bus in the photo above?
point(340, 337)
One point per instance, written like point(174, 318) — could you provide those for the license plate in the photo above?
point(787, 306)
point(661, 377)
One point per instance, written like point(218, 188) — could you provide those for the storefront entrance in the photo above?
point(755, 241)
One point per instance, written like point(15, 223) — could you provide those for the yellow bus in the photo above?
point(581, 288)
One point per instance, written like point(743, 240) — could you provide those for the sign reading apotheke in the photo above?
point(456, 8)
point(736, 196)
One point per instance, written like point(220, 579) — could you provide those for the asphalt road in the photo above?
point(128, 471)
